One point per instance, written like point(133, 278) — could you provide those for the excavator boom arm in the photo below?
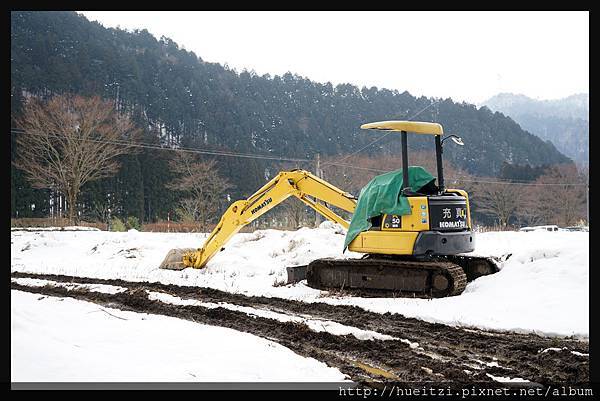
point(298, 183)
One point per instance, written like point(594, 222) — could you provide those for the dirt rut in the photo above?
point(433, 352)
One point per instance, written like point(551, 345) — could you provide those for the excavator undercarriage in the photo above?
point(380, 275)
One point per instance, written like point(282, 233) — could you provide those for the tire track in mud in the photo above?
point(444, 353)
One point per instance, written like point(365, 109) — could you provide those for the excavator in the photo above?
point(419, 252)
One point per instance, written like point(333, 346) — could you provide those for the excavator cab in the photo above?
point(414, 249)
point(438, 222)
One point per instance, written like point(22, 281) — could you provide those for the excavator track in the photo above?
point(378, 276)
point(474, 266)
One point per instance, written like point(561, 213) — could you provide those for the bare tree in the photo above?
point(560, 197)
point(500, 200)
point(531, 212)
point(99, 211)
point(295, 211)
point(69, 141)
point(203, 186)
point(584, 178)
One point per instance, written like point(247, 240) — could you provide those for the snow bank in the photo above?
point(250, 264)
point(543, 287)
point(62, 339)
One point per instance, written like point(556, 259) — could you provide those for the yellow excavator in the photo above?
point(418, 253)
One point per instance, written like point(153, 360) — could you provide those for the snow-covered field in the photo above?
point(62, 339)
point(543, 287)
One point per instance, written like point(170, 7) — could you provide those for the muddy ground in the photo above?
point(443, 354)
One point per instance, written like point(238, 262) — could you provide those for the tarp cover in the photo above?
point(382, 196)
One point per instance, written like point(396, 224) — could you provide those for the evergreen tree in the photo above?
point(182, 101)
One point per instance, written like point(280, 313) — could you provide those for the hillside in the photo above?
point(564, 122)
point(184, 101)
point(571, 107)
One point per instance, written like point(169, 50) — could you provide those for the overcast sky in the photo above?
point(468, 56)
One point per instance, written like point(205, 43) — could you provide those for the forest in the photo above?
point(244, 126)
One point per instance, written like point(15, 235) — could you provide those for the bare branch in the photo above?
point(202, 185)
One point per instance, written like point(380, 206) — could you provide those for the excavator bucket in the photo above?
point(174, 259)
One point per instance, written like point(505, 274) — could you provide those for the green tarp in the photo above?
point(382, 196)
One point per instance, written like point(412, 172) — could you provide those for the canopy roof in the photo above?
point(408, 126)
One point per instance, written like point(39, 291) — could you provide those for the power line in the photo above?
point(277, 158)
point(459, 178)
point(179, 149)
point(522, 183)
point(381, 137)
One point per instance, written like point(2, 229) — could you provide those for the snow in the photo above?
point(250, 264)
point(549, 349)
point(507, 379)
point(543, 287)
point(66, 228)
point(490, 364)
point(62, 339)
point(560, 349)
point(34, 282)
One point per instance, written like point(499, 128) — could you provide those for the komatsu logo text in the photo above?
point(265, 203)
point(453, 224)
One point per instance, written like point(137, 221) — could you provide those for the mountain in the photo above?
point(564, 122)
point(182, 100)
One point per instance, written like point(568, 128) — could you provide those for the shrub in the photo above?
point(117, 225)
point(133, 222)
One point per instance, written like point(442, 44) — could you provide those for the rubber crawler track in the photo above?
point(388, 269)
